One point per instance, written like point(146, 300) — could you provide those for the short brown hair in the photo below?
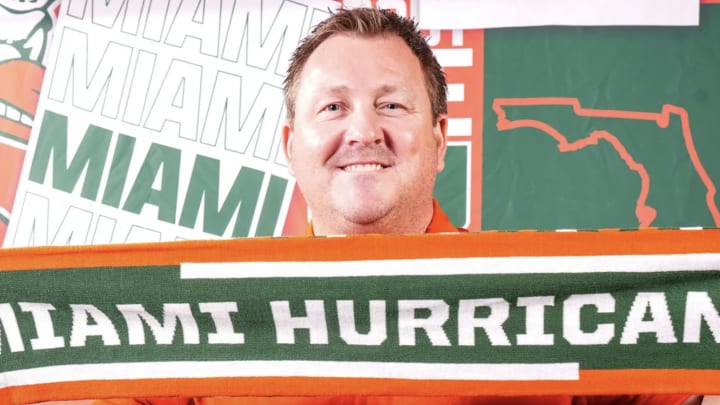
point(370, 22)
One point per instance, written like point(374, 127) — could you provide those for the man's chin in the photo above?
point(367, 215)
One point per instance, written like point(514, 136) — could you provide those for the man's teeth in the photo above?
point(368, 167)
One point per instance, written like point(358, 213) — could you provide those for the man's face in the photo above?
point(362, 145)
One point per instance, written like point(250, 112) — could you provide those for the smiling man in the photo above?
point(367, 120)
point(365, 138)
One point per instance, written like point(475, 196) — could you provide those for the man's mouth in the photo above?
point(363, 167)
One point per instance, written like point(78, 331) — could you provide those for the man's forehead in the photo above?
point(387, 51)
point(379, 87)
point(329, 77)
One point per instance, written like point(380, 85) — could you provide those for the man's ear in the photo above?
point(287, 139)
point(440, 135)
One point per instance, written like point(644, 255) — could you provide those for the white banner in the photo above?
point(463, 14)
point(161, 121)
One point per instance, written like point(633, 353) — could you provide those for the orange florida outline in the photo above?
point(644, 212)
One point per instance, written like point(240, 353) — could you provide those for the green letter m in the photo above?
point(89, 158)
point(204, 187)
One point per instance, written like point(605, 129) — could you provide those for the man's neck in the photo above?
point(405, 223)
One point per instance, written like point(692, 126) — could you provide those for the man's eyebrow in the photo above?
point(391, 88)
point(385, 89)
point(335, 90)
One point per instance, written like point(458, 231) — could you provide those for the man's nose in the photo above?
point(364, 127)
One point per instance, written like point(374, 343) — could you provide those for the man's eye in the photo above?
point(332, 107)
point(392, 106)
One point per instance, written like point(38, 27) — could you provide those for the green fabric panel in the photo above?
point(154, 286)
point(529, 184)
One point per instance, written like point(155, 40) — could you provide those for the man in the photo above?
point(365, 138)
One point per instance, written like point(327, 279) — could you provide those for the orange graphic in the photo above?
point(472, 106)
point(17, 110)
point(645, 213)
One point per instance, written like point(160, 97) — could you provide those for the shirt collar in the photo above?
point(440, 221)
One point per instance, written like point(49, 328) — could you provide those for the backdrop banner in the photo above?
point(477, 314)
point(159, 121)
